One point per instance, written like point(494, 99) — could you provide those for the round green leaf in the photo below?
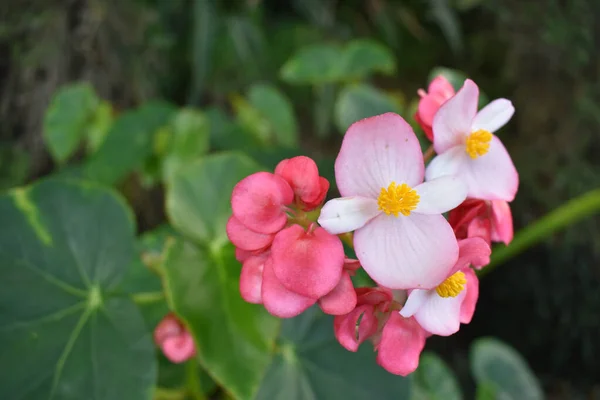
point(198, 197)
point(434, 380)
point(495, 364)
point(66, 119)
point(356, 102)
point(310, 364)
point(315, 64)
point(63, 333)
point(362, 57)
point(234, 338)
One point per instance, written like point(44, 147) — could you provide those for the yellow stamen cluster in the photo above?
point(452, 286)
point(478, 143)
point(397, 199)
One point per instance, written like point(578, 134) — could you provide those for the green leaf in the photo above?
point(63, 332)
point(310, 364)
point(362, 57)
point(15, 164)
point(435, 380)
point(277, 110)
point(226, 134)
point(234, 338)
point(315, 64)
point(99, 126)
point(189, 140)
point(198, 197)
point(496, 364)
point(448, 22)
point(356, 102)
point(66, 119)
point(128, 143)
point(251, 120)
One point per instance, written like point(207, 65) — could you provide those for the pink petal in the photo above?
point(440, 195)
point(449, 163)
point(375, 296)
point(179, 348)
point(480, 227)
point(258, 202)
point(242, 255)
point(402, 341)
point(425, 126)
point(244, 238)
point(492, 176)
point(307, 263)
point(341, 300)
point(351, 265)
point(251, 279)
point(346, 331)
point(453, 120)
point(309, 206)
point(461, 216)
point(168, 327)
point(375, 152)
point(441, 87)
point(502, 223)
point(493, 116)
point(416, 251)
point(467, 308)
point(346, 214)
point(277, 299)
point(440, 315)
point(474, 250)
point(303, 176)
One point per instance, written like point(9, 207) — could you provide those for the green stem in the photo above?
point(561, 217)
point(193, 380)
point(147, 297)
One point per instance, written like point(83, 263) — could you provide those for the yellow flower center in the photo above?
point(398, 199)
point(478, 143)
point(452, 286)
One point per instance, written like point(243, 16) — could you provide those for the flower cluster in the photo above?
point(392, 210)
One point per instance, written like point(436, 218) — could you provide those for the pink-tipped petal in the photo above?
point(341, 300)
point(169, 326)
point(308, 263)
point(402, 342)
point(416, 251)
point(375, 152)
point(449, 163)
point(309, 206)
point(493, 116)
point(440, 195)
point(346, 331)
point(467, 308)
point(251, 279)
point(346, 214)
point(258, 202)
point(492, 176)
point(440, 315)
point(472, 251)
point(502, 222)
point(453, 120)
point(244, 238)
point(179, 348)
point(303, 176)
point(415, 300)
point(279, 301)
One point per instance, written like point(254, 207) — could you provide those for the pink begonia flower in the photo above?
point(466, 147)
point(308, 262)
point(438, 92)
point(402, 341)
point(401, 238)
point(176, 343)
point(302, 175)
point(491, 220)
point(258, 202)
point(441, 310)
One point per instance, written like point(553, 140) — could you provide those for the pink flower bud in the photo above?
point(439, 91)
point(345, 326)
point(303, 176)
point(176, 343)
point(402, 341)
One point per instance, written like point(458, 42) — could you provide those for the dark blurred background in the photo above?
point(543, 55)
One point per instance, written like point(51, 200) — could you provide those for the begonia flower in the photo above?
point(401, 238)
point(176, 343)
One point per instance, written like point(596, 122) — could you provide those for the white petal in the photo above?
point(492, 176)
point(415, 300)
point(453, 120)
point(347, 214)
point(441, 315)
point(448, 163)
point(493, 116)
point(410, 252)
point(375, 152)
point(440, 195)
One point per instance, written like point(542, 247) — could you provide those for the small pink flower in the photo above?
point(401, 238)
point(176, 343)
point(439, 91)
point(402, 341)
point(467, 148)
point(303, 176)
point(441, 310)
